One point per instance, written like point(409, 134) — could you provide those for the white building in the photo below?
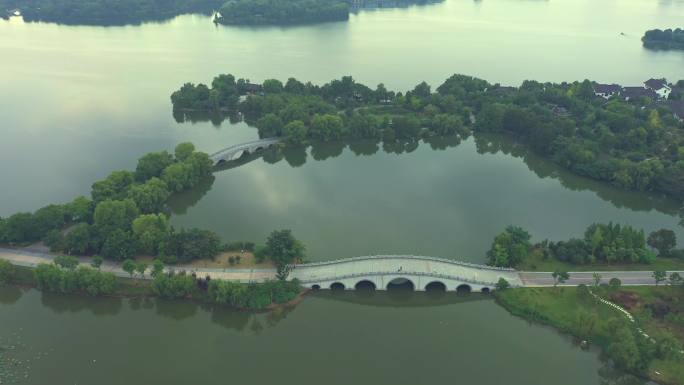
point(659, 86)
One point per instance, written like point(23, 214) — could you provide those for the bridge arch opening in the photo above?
point(485, 290)
point(316, 287)
point(337, 286)
point(365, 285)
point(463, 289)
point(401, 284)
point(436, 286)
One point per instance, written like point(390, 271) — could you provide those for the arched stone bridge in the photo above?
point(419, 272)
point(236, 151)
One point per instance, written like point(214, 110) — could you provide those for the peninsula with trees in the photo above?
point(634, 143)
point(126, 218)
point(284, 12)
point(664, 39)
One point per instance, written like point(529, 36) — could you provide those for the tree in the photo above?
point(295, 131)
point(510, 247)
point(79, 239)
point(140, 268)
point(559, 277)
point(662, 240)
point(54, 240)
point(624, 349)
point(51, 217)
point(151, 196)
point(80, 209)
point(152, 165)
point(96, 261)
point(597, 279)
point(184, 150)
point(119, 245)
point(675, 279)
point(192, 244)
point(113, 187)
point(273, 86)
point(115, 215)
point(283, 248)
point(157, 268)
point(66, 262)
point(502, 284)
point(270, 125)
point(129, 267)
point(283, 271)
point(150, 232)
point(614, 283)
point(659, 276)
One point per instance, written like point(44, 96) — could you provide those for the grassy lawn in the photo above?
point(583, 317)
point(535, 262)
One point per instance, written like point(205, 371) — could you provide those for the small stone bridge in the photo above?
point(421, 273)
point(236, 151)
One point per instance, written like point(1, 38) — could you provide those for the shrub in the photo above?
point(7, 272)
point(174, 286)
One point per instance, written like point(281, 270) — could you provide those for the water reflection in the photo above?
point(176, 310)
point(637, 201)
point(179, 203)
point(10, 295)
point(76, 303)
point(485, 144)
point(399, 297)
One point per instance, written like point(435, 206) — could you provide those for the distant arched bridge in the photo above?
point(383, 271)
point(236, 151)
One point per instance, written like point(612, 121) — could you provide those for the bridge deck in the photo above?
point(409, 266)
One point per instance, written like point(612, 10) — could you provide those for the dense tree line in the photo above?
point(664, 39)
point(282, 12)
point(602, 243)
point(52, 277)
point(635, 145)
point(125, 215)
point(255, 12)
point(101, 12)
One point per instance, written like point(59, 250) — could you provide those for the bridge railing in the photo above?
point(412, 257)
point(400, 273)
point(267, 141)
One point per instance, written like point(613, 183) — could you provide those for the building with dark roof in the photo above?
point(659, 86)
point(638, 92)
point(607, 91)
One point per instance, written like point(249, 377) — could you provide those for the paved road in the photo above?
point(528, 279)
point(628, 278)
point(32, 259)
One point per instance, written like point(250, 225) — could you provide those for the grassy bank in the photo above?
point(574, 311)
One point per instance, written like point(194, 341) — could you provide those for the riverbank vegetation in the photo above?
point(664, 39)
point(284, 12)
point(602, 246)
point(658, 311)
point(634, 145)
point(80, 279)
point(100, 12)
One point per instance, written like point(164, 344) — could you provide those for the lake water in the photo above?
point(343, 338)
point(79, 102)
